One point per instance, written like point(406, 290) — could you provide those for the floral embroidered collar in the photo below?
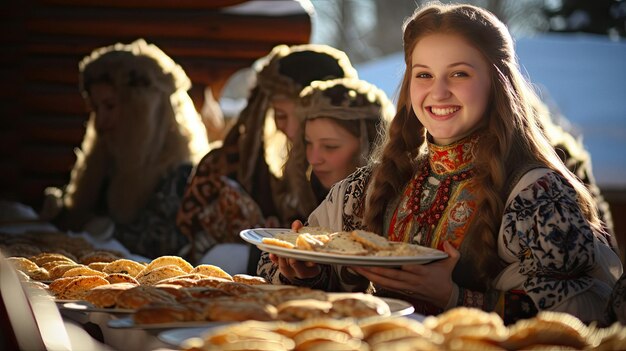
point(452, 158)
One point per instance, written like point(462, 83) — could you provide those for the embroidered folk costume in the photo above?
point(568, 269)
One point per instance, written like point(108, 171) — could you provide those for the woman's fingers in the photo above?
point(296, 225)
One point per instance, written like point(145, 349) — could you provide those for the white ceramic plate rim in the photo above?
point(255, 236)
point(85, 306)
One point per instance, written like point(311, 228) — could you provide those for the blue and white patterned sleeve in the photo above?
point(553, 253)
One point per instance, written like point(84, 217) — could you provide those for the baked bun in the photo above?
point(170, 260)
point(123, 265)
point(22, 264)
point(114, 278)
point(236, 310)
point(58, 271)
point(358, 305)
point(141, 295)
point(298, 310)
point(211, 271)
point(57, 285)
point(83, 271)
point(153, 276)
point(80, 285)
point(104, 296)
point(44, 257)
point(156, 314)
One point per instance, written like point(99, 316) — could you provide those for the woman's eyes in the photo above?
point(424, 75)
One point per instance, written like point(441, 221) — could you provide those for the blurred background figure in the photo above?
point(143, 137)
point(239, 185)
point(342, 122)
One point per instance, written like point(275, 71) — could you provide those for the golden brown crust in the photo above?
point(239, 311)
point(141, 295)
point(211, 271)
point(104, 296)
point(44, 257)
point(83, 271)
point(166, 314)
point(180, 280)
point(206, 292)
point(50, 265)
point(114, 278)
point(57, 285)
point(22, 264)
point(39, 274)
point(234, 288)
point(298, 310)
point(277, 297)
point(177, 291)
point(97, 266)
point(249, 279)
point(211, 282)
point(358, 306)
point(79, 286)
point(59, 270)
point(278, 242)
point(123, 265)
point(153, 276)
point(170, 260)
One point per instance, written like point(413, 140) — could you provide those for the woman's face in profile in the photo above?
point(284, 116)
point(105, 103)
point(330, 150)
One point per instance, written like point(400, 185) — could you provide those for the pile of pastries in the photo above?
point(457, 329)
point(169, 289)
point(355, 242)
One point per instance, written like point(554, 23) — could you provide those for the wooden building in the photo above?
point(43, 114)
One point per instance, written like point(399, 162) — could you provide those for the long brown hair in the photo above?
point(511, 136)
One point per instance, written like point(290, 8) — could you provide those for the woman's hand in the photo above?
point(430, 282)
point(292, 268)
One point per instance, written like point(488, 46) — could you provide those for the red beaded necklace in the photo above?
point(432, 215)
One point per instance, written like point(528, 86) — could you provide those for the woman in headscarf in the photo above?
point(143, 137)
point(342, 122)
point(239, 185)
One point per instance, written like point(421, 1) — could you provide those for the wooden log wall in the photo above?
point(42, 41)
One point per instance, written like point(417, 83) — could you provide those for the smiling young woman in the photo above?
point(467, 169)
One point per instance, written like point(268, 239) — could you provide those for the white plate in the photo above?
point(129, 323)
point(176, 337)
point(255, 237)
point(88, 307)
